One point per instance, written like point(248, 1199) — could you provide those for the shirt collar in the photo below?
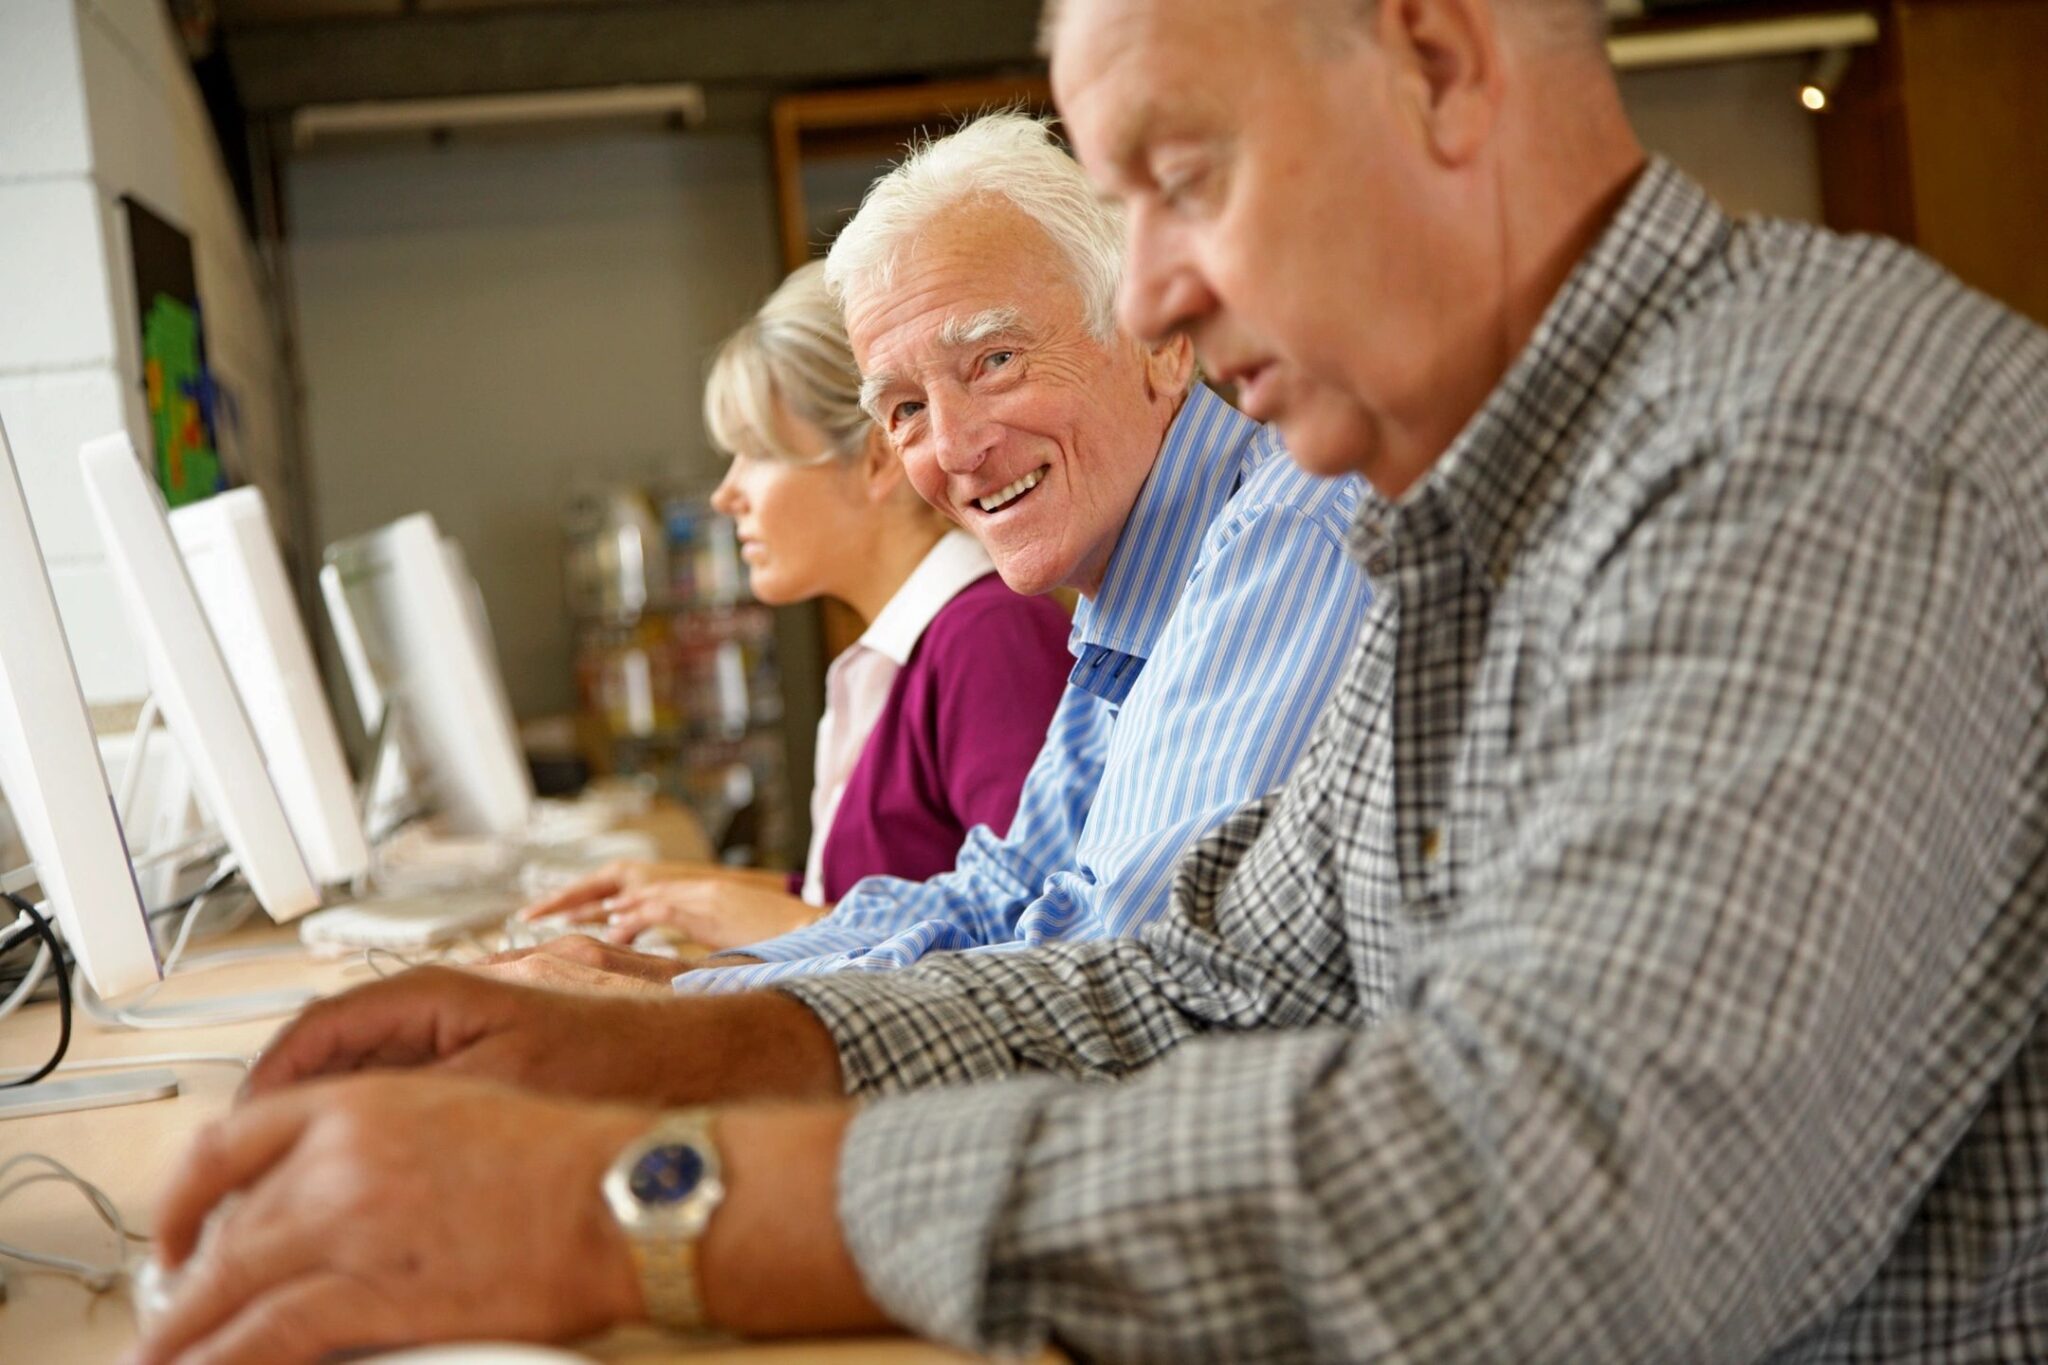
point(1501, 477)
point(949, 566)
point(1204, 457)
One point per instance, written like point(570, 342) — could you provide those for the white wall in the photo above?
point(486, 326)
point(1737, 128)
point(96, 101)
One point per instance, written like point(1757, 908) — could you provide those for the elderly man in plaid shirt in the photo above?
point(1645, 961)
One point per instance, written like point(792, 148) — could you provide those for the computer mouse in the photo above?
point(151, 1289)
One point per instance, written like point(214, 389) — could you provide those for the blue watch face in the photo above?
point(666, 1174)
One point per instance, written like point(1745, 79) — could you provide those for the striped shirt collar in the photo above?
point(1504, 475)
point(1207, 451)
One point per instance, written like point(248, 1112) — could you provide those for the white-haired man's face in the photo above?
point(1283, 211)
point(1009, 415)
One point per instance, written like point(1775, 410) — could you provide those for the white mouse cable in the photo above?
point(97, 1278)
point(138, 755)
point(244, 1009)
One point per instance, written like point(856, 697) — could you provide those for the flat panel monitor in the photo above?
point(234, 562)
point(50, 768)
point(190, 679)
point(417, 622)
point(388, 798)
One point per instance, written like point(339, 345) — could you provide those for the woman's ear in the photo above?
point(881, 469)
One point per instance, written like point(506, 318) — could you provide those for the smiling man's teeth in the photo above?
point(1010, 494)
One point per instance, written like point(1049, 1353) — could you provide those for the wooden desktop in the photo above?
point(131, 1151)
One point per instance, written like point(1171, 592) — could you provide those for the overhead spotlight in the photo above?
point(1817, 91)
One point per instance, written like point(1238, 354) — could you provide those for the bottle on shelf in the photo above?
point(675, 662)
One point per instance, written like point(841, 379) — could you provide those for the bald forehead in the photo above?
point(1320, 18)
point(1324, 23)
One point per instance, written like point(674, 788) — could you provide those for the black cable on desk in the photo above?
point(218, 881)
point(40, 928)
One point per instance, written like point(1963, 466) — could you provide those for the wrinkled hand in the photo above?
point(374, 1211)
point(716, 914)
point(464, 1023)
point(584, 901)
point(578, 962)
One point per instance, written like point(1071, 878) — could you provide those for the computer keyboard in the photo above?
point(534, 932)
point(402, 923)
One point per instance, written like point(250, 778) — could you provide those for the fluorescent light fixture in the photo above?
point(1742, 39)
point(625, 103)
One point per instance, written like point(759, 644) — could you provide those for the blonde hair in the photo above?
point(792, 353)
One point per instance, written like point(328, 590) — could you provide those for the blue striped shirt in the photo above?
point(1222, 623)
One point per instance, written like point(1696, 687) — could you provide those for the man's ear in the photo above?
point(1448, 75)
point(1170, 368)
point(881, 469)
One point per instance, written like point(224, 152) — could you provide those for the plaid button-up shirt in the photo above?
point(1645, 961)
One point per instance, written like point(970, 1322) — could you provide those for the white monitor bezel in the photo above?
point(51, 771)
point(448, 698)
point(240, 577)
point(190, 679)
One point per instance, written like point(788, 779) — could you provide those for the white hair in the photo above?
point(1007, 156)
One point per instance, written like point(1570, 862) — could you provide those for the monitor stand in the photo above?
point(61, 1094)
point(383, 801)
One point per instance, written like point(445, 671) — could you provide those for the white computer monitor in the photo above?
point(190, 679)
point(419, 644)
point(51, 773)
point(234, 562)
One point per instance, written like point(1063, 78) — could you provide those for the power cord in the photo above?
point(30, 980)
point(40, 928)
point(240, 1009)
point(138, 756)
point(97, 1278)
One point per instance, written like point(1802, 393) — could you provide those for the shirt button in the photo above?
point(1432, 844)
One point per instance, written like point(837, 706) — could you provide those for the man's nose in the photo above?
point(1161, 293)
point(960, 434)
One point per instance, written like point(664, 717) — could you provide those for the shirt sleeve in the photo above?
point(1695, 1045)
point(990, 884)
point(1219, 717)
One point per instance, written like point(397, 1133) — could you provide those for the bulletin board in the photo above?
point(175, 378)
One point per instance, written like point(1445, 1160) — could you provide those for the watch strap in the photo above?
point(665, 1258)
point(668, 1281)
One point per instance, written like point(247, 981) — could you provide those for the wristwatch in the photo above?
point(663, 1189)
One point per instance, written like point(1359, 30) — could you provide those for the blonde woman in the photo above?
point(932, 717)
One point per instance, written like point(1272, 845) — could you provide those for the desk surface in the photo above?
point(130, 1151)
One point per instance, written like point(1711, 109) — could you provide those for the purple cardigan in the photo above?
point(964, 720)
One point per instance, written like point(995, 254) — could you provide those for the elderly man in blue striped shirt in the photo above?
point(1218, 604)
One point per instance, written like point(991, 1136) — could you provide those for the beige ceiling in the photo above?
point(237, 13)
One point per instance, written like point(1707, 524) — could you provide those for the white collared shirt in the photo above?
point(857, 683)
